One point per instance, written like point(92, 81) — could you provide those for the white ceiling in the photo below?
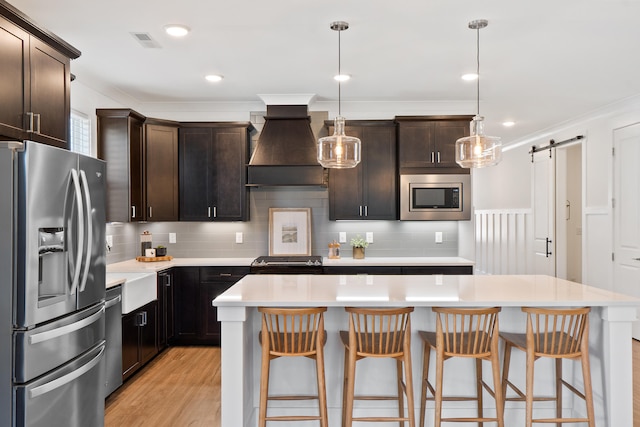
point(541, 62)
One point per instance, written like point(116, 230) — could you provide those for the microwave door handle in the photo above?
point(89, 225)
point(80, 227)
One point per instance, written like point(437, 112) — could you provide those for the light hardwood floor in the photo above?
point(181, 387)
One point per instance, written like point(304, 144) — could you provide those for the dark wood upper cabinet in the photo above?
point(426, 142)
point(368, 191)
point(121, 145)
point(34, 81)
point(161, 165)
point(142, 165)
point(213, 171)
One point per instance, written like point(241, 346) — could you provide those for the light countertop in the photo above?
point(134, 266)
point(397, 261)
point(420, 290)
point(137, 266)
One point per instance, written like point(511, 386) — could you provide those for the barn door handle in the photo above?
point(548, 252)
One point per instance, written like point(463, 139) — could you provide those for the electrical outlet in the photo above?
point(369, 236)
point(172, 237)
point(342, 237)
point(438, 236)
point(238, 236)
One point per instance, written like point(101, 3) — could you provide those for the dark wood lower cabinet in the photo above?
point(196, 320)
point(165, 308)
point(138, 338)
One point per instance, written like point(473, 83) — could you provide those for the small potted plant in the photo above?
point(161, 250)
point(358, 244)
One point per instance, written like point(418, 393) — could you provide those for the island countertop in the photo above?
point(427, 290)
point(609, 338)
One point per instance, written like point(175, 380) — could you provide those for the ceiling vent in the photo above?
point(146, 40)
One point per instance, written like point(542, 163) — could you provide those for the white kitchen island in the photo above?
point(610, 339)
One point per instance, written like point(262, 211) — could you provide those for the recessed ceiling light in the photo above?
point(469, 77)
point(508, 124)
point(177, 30)
point(214, 77)
point(342, 77)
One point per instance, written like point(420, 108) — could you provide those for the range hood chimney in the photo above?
point(285, 153)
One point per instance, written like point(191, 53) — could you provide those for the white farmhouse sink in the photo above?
point(137, 290)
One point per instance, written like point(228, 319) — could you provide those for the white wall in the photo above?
point(508, 186)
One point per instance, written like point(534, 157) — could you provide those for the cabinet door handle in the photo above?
point(225, 274)
point(215, 212)
point(29, 122)
point(168, 283)
point(37, 122)
point(433, 157)
point(366, 210)
point(139, 319)
point(144, 318)
point(133, 211)
point(360, 210)
point(208, 211)
point(150, 212)
point(438, 157)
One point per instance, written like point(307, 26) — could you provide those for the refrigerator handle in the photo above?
point(66, 330)
point(89, 221)
point(59, 382)
point(80, 238)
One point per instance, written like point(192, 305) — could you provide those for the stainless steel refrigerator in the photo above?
point(52, 287)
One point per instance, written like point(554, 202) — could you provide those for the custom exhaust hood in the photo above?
point(285, 153)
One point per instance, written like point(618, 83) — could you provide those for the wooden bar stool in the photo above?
point(292, 332)
point(557, 334)
point(468, 333)
point(378, 333)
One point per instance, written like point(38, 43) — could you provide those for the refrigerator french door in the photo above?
point(52, 263)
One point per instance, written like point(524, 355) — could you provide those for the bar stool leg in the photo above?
point(264, 385)
point(505, 369)
point(408, 373)
point(400, 392)
point(322, 388)
point(423, 385)
point(588, 392)
point(344, 388)
point(529, 386)
point(351, 373)
point(438, 396)
point(497, 383)
point(559, 390)
point(479, 390)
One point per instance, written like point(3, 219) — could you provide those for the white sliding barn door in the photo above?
point(626, 213)
point(544, 212)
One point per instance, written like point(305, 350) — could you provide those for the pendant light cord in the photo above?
point(478, 71)
point(339, 76)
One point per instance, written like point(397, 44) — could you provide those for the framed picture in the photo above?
point(289, 231)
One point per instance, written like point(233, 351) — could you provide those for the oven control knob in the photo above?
point(317, 263)
point(309, 262)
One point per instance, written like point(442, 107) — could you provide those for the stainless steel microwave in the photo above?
point(435, 197)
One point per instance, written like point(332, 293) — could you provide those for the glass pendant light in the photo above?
point(339, 151)
point(478, 150)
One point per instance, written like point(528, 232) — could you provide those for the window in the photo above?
point(80, 138)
